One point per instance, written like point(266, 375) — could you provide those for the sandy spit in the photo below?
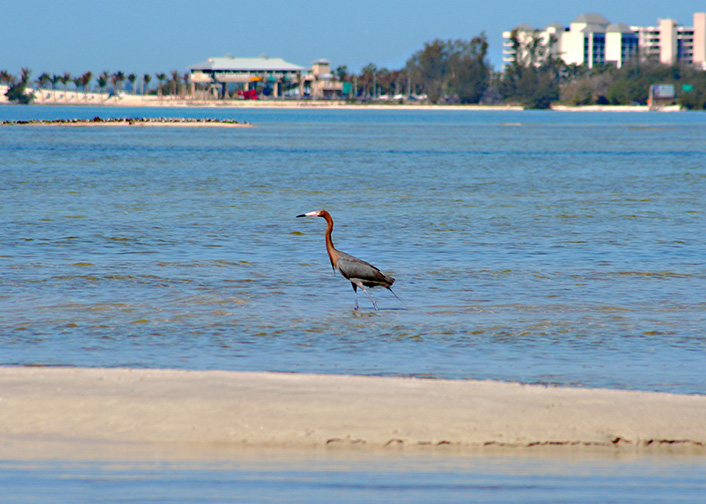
point(133, 122)
point(280, 410)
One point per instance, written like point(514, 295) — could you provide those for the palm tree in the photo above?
point(145, 82)
point(18, 88)
point(131, 79)
point(7, 77)
point(24, 74)
point(65, 79)
point(186, 83)
point(383, 81)
point(85, 82)
point(54, 81)
point(77, 84)
point(175, 82)
point(161, 78)
point(117, 79)
point(42, 82)
point(103, 80)
point(60, 79)
point(367, 78)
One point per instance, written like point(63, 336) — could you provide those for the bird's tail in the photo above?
point(393, 293)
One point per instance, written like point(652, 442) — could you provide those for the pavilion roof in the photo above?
point(259, 64)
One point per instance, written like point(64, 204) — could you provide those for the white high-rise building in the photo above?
point(592, 40)
point(699, 53)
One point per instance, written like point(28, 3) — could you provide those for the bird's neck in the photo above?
point(332, 252)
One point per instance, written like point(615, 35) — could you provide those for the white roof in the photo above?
point(594, 28)
point(558, 26)
point(619, 27)
point(259, 64)
point(592, 19)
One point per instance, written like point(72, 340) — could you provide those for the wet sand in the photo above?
point(55, 410)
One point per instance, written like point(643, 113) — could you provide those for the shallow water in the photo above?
point(556, 248)
point(352, 478)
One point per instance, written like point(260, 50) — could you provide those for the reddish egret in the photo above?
point(358, 272)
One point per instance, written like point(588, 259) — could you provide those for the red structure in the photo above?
point(249, 94)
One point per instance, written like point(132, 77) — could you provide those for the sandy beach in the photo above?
point(73, 98)
point(64, 407)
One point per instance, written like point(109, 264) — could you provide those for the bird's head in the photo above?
point(316, 213)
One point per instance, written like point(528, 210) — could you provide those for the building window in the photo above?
point(598, 48)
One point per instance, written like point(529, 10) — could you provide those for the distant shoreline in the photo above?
point(341, 105)
point(45, 97)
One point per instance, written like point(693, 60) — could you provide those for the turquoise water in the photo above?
point(553, 248)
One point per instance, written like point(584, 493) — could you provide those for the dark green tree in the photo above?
point(117, 80)
point(146, 82)
point(427, 67)
point(103, 80)
point(86, 80)
point(161, 77)
point(367, 80)
point(77, 84)
point(17, 92)
point(468, 69)
point(6, 77)
point(692, 95)
point(534, 75)
point(341, 72)
point(43, 80)
point(174, 82)
point(455, 70)
point(131, 79)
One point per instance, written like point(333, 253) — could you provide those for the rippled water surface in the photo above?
point(557, 248)
point(353, 479)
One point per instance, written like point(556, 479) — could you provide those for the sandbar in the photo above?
point(134, 122)
point(42, 407)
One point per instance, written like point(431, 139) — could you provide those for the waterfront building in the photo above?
point(592, 40)
point(223, 77)
point(527, 38)
point(669, 42)
point(220, 73)
point(321, 82)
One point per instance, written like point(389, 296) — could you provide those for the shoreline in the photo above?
point(47, 412)
point(50, 98)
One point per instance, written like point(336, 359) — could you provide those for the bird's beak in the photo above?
point(302, 215)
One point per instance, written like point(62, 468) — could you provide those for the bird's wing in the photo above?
point(356, 269)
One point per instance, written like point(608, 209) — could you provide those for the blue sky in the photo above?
point(151, 36)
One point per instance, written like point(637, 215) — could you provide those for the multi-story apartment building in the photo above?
point(592, 40)
point(669, 42)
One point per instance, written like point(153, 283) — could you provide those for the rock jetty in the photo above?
point(132, 121)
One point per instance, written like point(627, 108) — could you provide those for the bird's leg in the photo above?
point(365, 291)
point(355, 291)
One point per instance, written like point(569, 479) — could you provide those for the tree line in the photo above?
point(458, 71)
point(537, 79)
point(448, 71)
point(454, 71)
point(173, 83)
